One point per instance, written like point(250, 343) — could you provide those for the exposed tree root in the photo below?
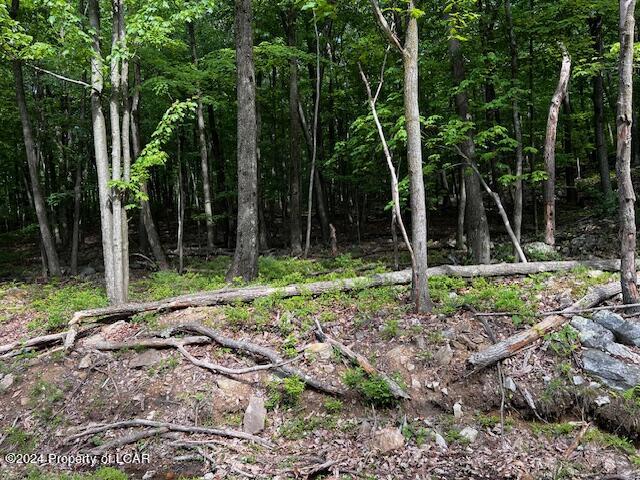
point(260, 351)
point(362, 362)
point(173, 427)
point(179, 344)
point(21, 346)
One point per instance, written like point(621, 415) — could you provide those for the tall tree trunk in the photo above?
point(478, 239)
point(245, 259)
point(570, 168)
point(420, 290)
point(321, 208)
point(202, 144)
point(550, 148)
point(626, 195)
point(145, 209)
point(100, 149)
point(517, 126)
point(295, 152)
point(75, 236)
point(48, 243)
point(598, 108)
point(181, 202)
point(462, 206)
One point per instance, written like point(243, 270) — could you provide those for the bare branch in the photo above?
point(58, 76)
point(384, 25)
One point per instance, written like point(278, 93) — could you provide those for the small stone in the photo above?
point(365, 428)
point(594, 273)
point(85, 362)
point(602, 400)
point(440, 441)
point(388, 439)
point(411, 367)
point(445, 391)
point(6, 382)
point(509, 384)
point(254, 416)
point(415, 384)
point(321, 351)
point(209, 476)
point(420, 342)
point(469, 433)
point(149, 474)
point(444, 355)
point(145, 359)
point(457, 410)
point(578, 380)
point(432, 385)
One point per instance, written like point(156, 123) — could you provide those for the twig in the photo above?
point(58, 76)
point(576, 442)
point(174, 427)
point(127, 439)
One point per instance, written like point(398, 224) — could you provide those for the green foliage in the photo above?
point(372, 387)
point(564, 342)
point(609, 440)
point(287, 392)
point(57, 304)
point(391, 329)
point(103, 473)
point(333, 405)
point(45, 398)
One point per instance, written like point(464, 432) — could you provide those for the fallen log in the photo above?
point(512, 345)
point(248, 294)
point(279, 364)
point(141, 422)
point(20, 346)
point(362, 362)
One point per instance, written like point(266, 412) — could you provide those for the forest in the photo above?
point(364, 239)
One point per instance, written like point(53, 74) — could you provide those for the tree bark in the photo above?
point(245, 259)
point(75, 236)
point(202, 144)
point(295, 228)
point(550, 148)
point(598, 108)
point(624, 120)
point(48, 243)
point(517, 126)
point(100, 149)
point(145, 208)
point(478, 239)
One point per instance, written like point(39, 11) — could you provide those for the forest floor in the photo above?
point(450, 429)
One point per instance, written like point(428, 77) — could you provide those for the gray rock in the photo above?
point(613, 372)
point(469, 433)
point(457, 411)
point(87, 271)
point(578, 380)
point(209, 476)
point(321, 351)
point(85, 362)
point(540, 250)
point(444, 355)
point(625, 331)
point(602, 400)
point(619, 350)
point(388, 440)
point(254, 416)
point(6, 382)
point(440, 441)
point(591, 334)
point(145, 359)
point(509, 384)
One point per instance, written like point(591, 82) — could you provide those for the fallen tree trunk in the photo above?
point(402, 277)
point(510, 346)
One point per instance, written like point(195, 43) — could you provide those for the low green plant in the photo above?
point(58, 303)
point(20, 440)
point(333, 405)
point(609, 440)
point(165, 365)
point(564, 342)
point(285, 392)
point(372, 387)
point(44, 398)
point(391, 329)
point(417, 433)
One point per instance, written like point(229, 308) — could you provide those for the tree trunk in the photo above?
point(181, 202)
point(420, 290)
point(462, 206)
point(145, 209)
point(295, 227)
point(550, 148)
point(48, 243)
point(598, 109)
point(100, 149)
point(75, 236)
point(202, 144)
point(245, 259)
point(517, 126)
point(570, 168)
point(626, 195)
point(478, 239)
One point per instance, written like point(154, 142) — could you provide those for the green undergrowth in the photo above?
point(103, 473)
